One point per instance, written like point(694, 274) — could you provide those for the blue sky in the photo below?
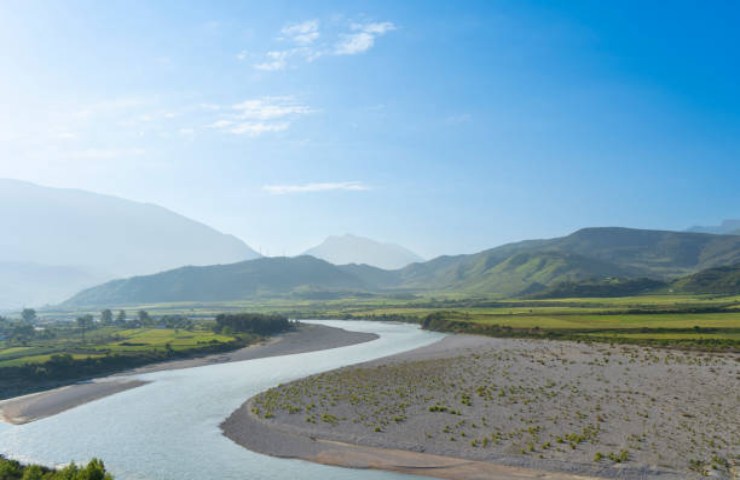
point(448, 127)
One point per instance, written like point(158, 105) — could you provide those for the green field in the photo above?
point(110, 340)
point(666, 319)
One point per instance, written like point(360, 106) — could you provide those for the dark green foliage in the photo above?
point(63, 368)
point(29, 315)
point(608, 287)
point(106, 317)
point(13, 470)
point(441, 322)
point(252, 323)
point(720, 280)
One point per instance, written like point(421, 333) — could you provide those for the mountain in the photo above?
point(720, 280)
point(105, 236)
point(727, 227)
point(526, 267)
point(264, 277)
point(28, 284)
point(604, 259)
point(603, 287)
point(347, 249)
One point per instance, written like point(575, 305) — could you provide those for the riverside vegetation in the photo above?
point(37, 354)
point(13, 470)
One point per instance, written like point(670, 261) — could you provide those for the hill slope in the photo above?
point(727, 227)
point(517, 269)
point(349, 249)
point(719, 280)
point(264, 277)
point(28, 284)
point(524, 267)
point(53, 226)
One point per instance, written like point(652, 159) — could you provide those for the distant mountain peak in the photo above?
point(727, 227)
point(348, 248)
point(90, 232)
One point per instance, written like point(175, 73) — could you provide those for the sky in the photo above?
point(447, 127)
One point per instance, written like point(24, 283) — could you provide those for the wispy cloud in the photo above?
point(304, 45)
point(259, 116)
point(363, 39)
point(316, 188)
point(276, 60)
point(304, 33)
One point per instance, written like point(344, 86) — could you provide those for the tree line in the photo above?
point(256, 323)
point(13, 470)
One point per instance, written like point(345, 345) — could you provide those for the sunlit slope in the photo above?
point(524, 267)
point(593, 255)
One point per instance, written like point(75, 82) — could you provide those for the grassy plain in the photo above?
point(109, 340)
point(660, 319)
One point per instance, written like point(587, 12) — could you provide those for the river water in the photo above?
point(169, 428)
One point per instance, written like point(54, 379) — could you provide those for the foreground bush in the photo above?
point(13, 470)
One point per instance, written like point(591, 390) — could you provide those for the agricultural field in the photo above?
point(109, 340)
point(669, 319)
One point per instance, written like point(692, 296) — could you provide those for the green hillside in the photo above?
point(592, 253)
point(591, 256)
point(720, 280)
point(264, 277)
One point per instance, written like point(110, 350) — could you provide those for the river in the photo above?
point(169, 428)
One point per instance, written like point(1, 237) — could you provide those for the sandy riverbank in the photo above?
point(475, 407)
point(307, 338)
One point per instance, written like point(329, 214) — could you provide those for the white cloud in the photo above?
point(259, 116)
point(270, 108)
point(316, 187)
point(275, 60)
point(304, 33)
point(363, 39)
point(255, 129)
point(347, 40)
point(241, 56)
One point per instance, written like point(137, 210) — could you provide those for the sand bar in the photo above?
point(476, 407)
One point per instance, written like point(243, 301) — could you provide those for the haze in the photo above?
point(282, 123)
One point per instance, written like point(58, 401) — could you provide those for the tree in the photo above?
point(22, 333)
point(106, 317)
point(144, 318)
point(121, 317)
point(85, 322)
point(29, 315)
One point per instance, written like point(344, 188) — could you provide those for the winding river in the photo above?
point(169, 428)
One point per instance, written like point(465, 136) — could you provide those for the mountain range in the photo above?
point(347, 249)
point(517, 269)
point(56, 241)
point(727, 227)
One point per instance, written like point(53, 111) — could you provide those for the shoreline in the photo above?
point(35, 406)
point(246, 430)
point(403, 447)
